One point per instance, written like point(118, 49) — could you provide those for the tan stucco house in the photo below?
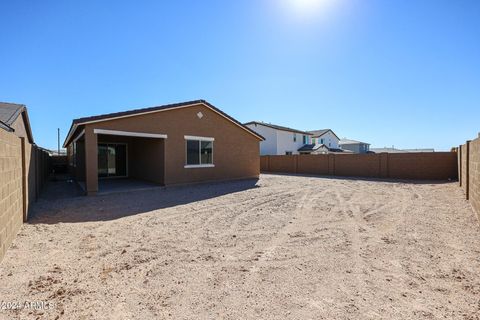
point(172, 144)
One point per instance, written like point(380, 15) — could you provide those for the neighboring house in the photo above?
point(354, 146)
point(172, 144)
point(326, 137)
point(279, 140)
point(319, 149)
point(14, 119)
point(394, 150)
point(23, 170)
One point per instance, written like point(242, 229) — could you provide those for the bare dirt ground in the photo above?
point(285, 247)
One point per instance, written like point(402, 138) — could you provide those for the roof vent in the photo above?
point(200, 115)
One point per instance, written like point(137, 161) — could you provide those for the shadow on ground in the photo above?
point(63, 201)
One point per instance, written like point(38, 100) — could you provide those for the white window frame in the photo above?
point(199, 139)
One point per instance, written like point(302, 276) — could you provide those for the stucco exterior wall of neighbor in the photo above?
point(11, 200)
point(235, 150)
point(356, 148)
point(415, 166)
point(287, 143)
point(329, 139)
point(269, 145)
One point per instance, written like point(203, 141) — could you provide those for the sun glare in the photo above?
point(308, 8)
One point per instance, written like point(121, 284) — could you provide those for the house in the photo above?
point(326, 137)
point(320, 149)
point(354, 146)
point(14, 118)
point(279, 140)
point(23, 171)
point(395, 150)
point(172, 144)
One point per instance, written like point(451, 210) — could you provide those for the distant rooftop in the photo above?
point(395, 150)
point(321, 132)
point(349, 141)
point(277, 127)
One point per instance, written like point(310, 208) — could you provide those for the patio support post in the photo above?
point(91, 161)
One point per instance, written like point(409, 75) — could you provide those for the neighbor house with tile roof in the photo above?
point(173, 144)
point(279, 140)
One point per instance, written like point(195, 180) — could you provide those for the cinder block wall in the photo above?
point(474, 179)
point(11, 199)
point(414, 166)
point(463, 167)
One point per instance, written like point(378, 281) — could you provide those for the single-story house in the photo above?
point(354, 146)
point(172, 144)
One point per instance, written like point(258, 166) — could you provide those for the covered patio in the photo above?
point(108, 161)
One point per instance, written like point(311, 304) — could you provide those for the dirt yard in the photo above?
point(285, 247)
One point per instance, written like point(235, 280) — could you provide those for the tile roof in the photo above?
point(277, 127)
point(321, 132)
point(80, 121)
point(9, 112)
point(309, 147)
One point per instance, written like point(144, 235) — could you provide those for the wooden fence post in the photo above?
point(295, 164)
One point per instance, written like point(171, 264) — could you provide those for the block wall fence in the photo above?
point(23, 171)
point(410, 166)
point(469, 172)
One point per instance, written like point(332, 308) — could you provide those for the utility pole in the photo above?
point(58, 140)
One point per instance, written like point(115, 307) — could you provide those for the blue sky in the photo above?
point(396, 72)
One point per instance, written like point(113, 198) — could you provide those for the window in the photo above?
point(305, 140)
point(294, 137)
point(321, 141)
point(199, 152)
point(288, 153)
point(313, 141)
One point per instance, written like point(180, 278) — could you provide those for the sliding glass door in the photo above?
point(112, 160)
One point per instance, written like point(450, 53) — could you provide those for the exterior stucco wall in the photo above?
point(286, 143)
point(235, 151)
point(269, 145)
point(356, 148)
point(278, 142)
point(329, 139)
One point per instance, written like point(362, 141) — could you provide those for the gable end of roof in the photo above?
point(131, 113)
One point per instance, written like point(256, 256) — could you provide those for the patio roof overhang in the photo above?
point(130, 134)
